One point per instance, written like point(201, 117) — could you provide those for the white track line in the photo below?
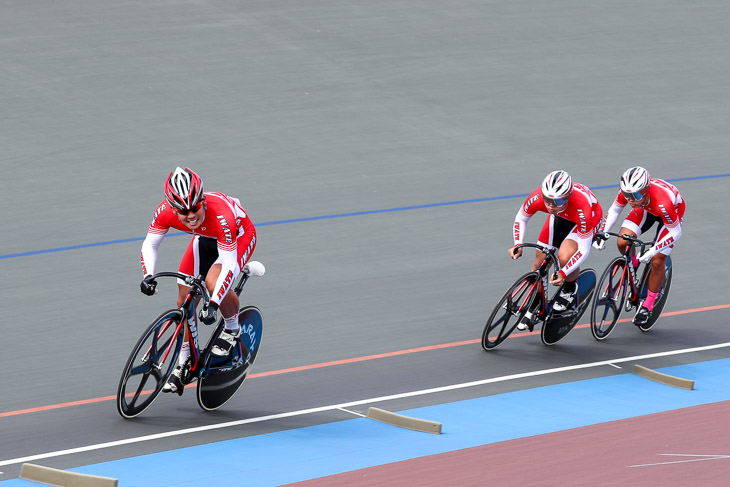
point(320, 409)
point(697, 458)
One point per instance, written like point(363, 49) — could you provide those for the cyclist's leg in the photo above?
point(659, 262)
point(656, 276)
point(547, 239)
point(230, 303)
point(631, 226)
point(189, 265)
point(567, 250)
point(565, 239)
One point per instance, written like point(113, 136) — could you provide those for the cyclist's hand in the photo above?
point(646, 256)
point(148, 285)
point(556, 279)
point(209, 313)
point(599, 241)
point(515, 253)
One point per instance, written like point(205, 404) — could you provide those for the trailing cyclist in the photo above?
point(652, 201)
point(574, 216)
point(223, 240)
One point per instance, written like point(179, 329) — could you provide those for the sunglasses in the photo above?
point(637, 196)
point(555, 202)
point(186, 212)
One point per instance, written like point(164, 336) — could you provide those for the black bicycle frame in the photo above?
point(542, 270)
point(631, 242)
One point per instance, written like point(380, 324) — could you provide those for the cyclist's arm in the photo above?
point(519, 226)
point(148, 256)
point(612, 216)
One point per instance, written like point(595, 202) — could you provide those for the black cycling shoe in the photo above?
point(225, 342)
point(565, 300)
point(176, 381)
point(642, 317)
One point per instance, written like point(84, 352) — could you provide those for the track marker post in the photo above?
point(62, 478)
point(404, 421)
point(662, 378)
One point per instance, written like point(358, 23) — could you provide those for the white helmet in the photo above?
point(635, 183)
point(557, 188)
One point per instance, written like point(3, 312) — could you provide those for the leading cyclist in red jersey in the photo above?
point(574, 217)
point(223, 240)
point(652, 201)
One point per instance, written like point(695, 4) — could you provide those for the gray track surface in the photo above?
point(312, 108)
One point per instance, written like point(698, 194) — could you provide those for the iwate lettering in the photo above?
point(666, 214)
point(665, 244)
point(576, 257)
point(226, 228)
point(582, 218)
point(530, 202)
point(224, 287)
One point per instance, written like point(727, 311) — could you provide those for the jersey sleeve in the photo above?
point(148, 256)
point(612, 216)
point(526, 211)
point(155, 233)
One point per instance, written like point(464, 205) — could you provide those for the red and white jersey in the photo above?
point(664, 202)
point(582, 208)
point(224, 220)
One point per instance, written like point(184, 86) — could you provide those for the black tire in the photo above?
point(558, 325)
point(661, 300)
point(150, 364)
point(223, 376)
point(514, 303)
point(609, 300)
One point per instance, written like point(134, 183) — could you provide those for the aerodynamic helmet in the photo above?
point(557, 188)
point(183, 189)
point(635, 183)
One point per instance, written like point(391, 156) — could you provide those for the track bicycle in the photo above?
point(156, 353)
point(621, 288)
point(527, 299)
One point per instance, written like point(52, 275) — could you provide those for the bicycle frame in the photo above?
point(188, 309)
point(542, 273)
point(633, 280)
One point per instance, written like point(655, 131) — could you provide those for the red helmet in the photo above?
point(183, 189)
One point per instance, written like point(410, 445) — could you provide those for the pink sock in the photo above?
point(635, 260)
point(650, 298)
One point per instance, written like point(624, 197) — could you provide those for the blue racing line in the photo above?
point(317, 451)
point(329, 217)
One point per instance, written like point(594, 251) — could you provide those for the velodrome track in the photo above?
point(382, 149)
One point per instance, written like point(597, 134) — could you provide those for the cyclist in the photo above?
point(652, 201)
point(574, 216)
point(223, 240)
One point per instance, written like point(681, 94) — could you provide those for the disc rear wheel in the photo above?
point(662, 299)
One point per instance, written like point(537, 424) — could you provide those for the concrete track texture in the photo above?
point(381, 147)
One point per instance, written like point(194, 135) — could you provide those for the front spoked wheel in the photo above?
point(510, 310)
point(150, 364)
point(609, 299)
